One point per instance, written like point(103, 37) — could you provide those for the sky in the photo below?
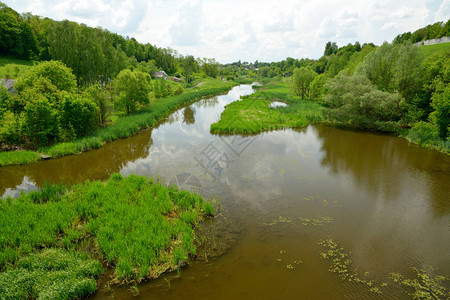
point(247, 30)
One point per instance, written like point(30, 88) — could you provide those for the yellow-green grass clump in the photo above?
point(18, 157)
point(50, 274)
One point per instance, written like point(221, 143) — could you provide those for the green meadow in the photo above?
point(13, 67)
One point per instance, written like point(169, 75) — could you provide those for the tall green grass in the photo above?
point(138, 226)
point(18, 157)
point(253, 113)
point(243, 80)
point(51, 274)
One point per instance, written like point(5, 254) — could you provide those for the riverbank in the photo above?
point(254, 114)
point(55, 240)
point(123, 127)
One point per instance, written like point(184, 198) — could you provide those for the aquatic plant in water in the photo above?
point(424, 285)
point(280, 219)
point(316, 221)
point(341, 264)
point(292, 263)
point(320, 220)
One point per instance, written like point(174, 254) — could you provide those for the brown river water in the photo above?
point(387, 203)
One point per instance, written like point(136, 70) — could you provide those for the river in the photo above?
point(385, 202)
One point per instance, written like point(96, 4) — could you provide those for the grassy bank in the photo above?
point(243, 80)
point(13, 67)
point(123, 126)
point(18, 157)
point(439, 49)
point(53, 240)
point(426, 135)
point(253, 113)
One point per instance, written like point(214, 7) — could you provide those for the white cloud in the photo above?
point(243, 29)
point(185, 30)
point(284, 23)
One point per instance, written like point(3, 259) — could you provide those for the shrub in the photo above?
point(178, 91)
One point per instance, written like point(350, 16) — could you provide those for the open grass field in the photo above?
point(53, 240)
point(253, 113)
point(441, 49)
point(13, 67)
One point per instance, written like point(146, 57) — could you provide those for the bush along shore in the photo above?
point(254, 113)
point(55, 242)
point(124, 126)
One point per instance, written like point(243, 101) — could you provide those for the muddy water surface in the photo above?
point(385, 202)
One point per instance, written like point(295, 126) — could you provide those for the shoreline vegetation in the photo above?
point(57, 241)
point(123, 127)
point(253, 114)
point(397, 89)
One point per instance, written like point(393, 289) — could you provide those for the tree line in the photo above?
point(82, 75)
point(391, 88)
point(94, 54)
point(433, 31)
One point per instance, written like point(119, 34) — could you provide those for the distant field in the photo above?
point(13, 67)
point(436, 49)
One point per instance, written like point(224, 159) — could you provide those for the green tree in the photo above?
point(88, 51)
point(189, 65)
point(394, 68)
point(356, 100)
point(45, 75)
point(210, 67)
point(77, 114)
point(41, 122)
point(302, 79)
point(264, 71)
point(17, 38)
point(100, 98)
point(132, 88)
point(317, 86)
point(330, 48)
point(441, 115)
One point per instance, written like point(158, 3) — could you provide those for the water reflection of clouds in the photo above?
point(257, 177)
point(26, 186)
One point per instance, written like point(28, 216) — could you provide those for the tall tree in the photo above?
point(302, 79)
point(132, 88)
point(189, 65)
